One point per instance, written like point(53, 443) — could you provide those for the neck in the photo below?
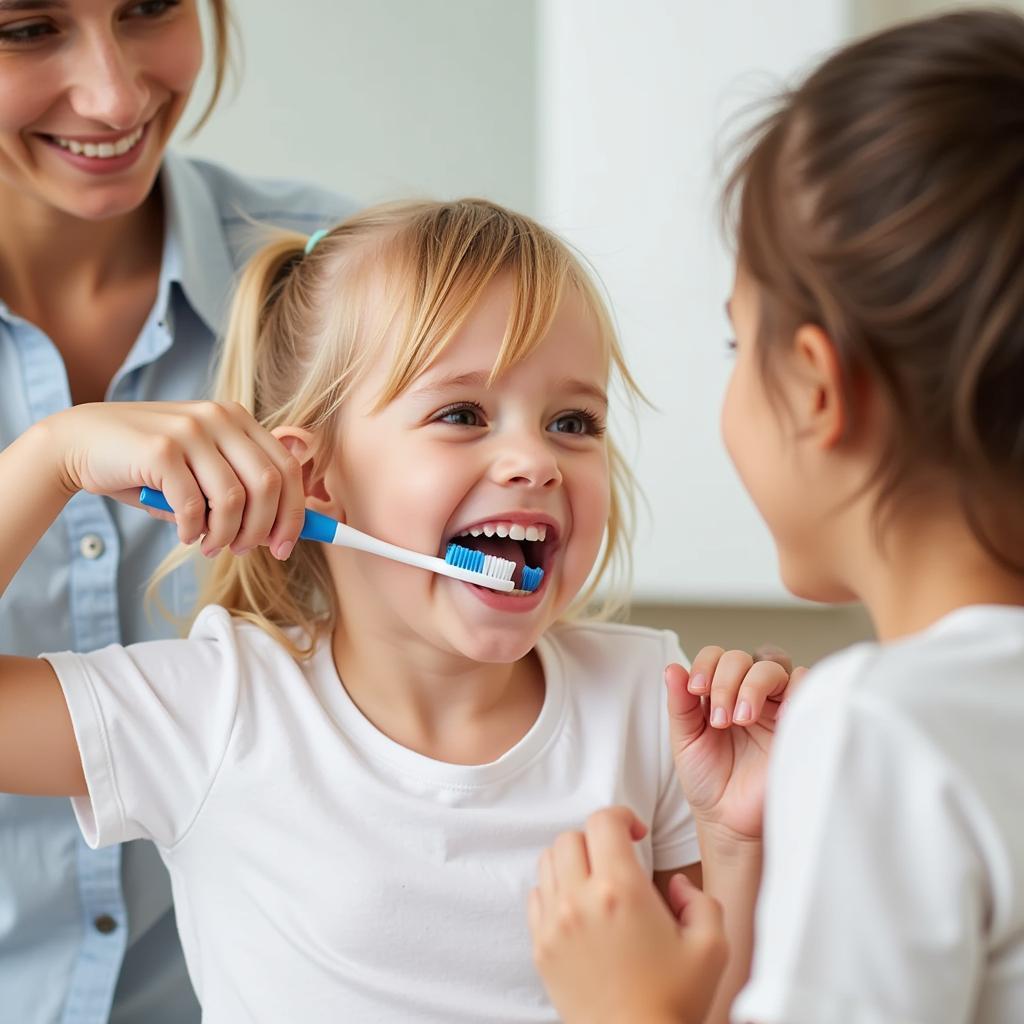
point(928, 566)
point(435, 702)
point(47, 254)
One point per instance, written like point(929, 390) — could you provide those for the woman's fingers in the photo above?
point(250, 486)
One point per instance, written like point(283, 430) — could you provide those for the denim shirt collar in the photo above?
point(196, 252)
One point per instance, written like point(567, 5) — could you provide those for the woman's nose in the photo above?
point(107, 86)
point(526, 462)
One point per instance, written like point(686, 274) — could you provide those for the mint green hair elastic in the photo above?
point(314, 238)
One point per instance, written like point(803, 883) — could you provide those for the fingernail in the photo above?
point(742, 712)
point(698, 684)
point(214, 553)
point(242, 551)
point(718, 716)
point(284, 550)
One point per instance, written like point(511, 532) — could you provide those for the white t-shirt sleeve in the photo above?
point(673, 832)
point(152, 723)
point(873, 901)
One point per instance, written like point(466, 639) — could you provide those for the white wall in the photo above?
point(384, 98)
point(602, 117)
point(633, 100)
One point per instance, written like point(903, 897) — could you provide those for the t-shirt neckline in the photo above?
point(381, 748)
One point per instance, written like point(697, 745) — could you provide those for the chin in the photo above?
point(111, 202)
point(497, 650)
point(814, 586)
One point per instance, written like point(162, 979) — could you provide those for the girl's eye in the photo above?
point(730, 345)
point(580, 421)
point(25, 32)
point(465, 414)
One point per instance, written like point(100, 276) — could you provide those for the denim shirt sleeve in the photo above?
point(88, 936)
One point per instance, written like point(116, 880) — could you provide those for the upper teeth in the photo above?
point(514, 531)
point(101, 150)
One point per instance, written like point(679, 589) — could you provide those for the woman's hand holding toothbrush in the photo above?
point(230, 481)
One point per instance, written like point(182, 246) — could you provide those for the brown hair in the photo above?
point(883, 200)
point(304, 328)
point(223, 27)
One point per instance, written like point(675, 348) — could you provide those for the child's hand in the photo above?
point(722, 716)
point(225, 476)
point(606, 945)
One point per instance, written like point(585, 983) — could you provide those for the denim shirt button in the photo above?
point(91, 546)
point(105, 924)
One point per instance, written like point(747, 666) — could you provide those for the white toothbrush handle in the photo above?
point(328, 531)
point(349, 537)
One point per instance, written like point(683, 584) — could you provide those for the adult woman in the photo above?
point(115, 262)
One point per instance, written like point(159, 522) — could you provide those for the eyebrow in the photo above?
point(480, 379)
point(13, 6)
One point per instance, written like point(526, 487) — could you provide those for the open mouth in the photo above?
point(95, 150)
point(525, 543)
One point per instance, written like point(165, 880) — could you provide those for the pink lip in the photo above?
point(503, 602)
point(92, 165)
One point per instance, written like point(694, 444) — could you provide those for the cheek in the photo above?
point(174, 60)
point(731, 423)
point(407, 494)
point(590, 498)
point(26, 96)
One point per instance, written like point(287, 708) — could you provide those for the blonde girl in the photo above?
point(351, 766)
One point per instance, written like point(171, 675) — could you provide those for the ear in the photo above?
point(317, 484)
point(820, 403)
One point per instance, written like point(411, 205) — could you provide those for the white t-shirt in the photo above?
point(894, 875)
point(323, 873)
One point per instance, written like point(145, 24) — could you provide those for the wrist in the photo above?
point(719, 844)
point(48, 454)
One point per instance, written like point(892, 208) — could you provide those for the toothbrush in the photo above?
point(459, 563)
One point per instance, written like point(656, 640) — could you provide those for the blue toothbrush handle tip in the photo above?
point(154, 499)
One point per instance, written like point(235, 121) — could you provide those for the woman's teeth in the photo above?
point(101, 150)
point(514, 531)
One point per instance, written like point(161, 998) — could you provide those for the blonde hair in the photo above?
point(303, 328)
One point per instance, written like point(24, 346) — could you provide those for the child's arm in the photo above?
point(229, 479)
point(723, 770)
point(607, 946)
point(38, 754)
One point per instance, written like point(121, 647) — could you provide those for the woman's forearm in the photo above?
point(32, 495)
point(732, 874)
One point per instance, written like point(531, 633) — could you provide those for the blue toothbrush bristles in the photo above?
point(531, 579)
point(489, 565)
point(464, 558)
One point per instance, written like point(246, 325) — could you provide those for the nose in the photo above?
point(106, 84)
point(526, 461)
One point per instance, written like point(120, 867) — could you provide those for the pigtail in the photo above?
point(257, 353)
point(250, 321)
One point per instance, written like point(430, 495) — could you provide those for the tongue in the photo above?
point(499, 547)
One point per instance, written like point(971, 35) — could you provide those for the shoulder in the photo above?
point(613, 642)
point(623, 657)
point(243, 206)
point(239, 644)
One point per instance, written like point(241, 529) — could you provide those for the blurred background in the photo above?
point(610, 122)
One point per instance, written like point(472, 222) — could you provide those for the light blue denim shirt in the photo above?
point(88, 935)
